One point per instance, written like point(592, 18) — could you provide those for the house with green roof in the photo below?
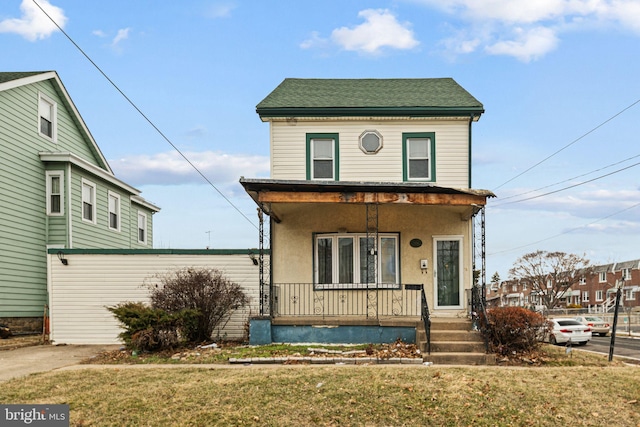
point(58, 192)
point(369, 207)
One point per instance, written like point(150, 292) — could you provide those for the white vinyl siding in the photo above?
point(78, 313)
point(289, 161)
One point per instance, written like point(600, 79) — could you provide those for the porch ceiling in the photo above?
point(267, 192)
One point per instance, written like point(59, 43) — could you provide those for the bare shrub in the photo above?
point(514, 329)
point(204, 289)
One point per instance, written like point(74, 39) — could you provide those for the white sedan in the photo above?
point(566, 330)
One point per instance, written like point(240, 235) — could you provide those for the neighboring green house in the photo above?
point(58, 191)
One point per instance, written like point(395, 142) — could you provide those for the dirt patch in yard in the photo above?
point(222, 352)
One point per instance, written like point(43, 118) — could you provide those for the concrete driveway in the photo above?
point(29, 360)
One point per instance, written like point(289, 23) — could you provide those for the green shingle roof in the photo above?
point(14, 75)
point(361, 97)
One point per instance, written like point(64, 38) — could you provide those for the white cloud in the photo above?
point(220, 10)
point(171, 168)
point(123, 34)
point(527, 30)
point(380, 30)
point(527, 44)
point(99, 33)
point(315, 41)
point(34, 24)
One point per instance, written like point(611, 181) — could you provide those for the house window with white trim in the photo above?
point(47, 117)
point(55, 194)
point(583, 281)
point(322, 156)
point(419, 156)
point(626, 274)
point(88, 201)
point(630, 295)
point(585, 296)
point(348, 261)
point(599, 295)
point(114, 211)
point(602, 277)
point(142, 228)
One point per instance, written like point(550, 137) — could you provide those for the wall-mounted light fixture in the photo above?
point(62, 259)
point(253, 258)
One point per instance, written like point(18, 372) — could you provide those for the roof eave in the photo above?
point(266, 112)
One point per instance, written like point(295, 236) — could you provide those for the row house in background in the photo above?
point(595, 292)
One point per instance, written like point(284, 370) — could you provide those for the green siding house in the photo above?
point(58, 191)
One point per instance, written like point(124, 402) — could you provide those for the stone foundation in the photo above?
point(23, 325)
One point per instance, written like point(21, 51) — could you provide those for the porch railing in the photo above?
point(479, 314)
point(426, 318)
point(353, 300)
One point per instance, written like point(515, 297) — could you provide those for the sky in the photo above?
point(559, 81)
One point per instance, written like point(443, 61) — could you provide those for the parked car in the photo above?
point(597, 324)
point(568, 329)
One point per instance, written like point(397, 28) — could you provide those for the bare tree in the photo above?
point(550, 274)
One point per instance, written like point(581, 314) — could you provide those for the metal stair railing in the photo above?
point(426, 319)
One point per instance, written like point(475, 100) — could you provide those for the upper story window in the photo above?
point(583, 281)
point(142, 228)
point(347, 259)
point(626, 274)
point(370, 142)
point(55, 195)
point(47, 117)
point(88, 201)
point(602, 277)
point(114, 211)
point(322, 156)
point(419, 156)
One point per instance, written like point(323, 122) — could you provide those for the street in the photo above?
point(624, 346)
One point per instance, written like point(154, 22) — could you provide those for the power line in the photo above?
point(565, 232)
point(569, 187)
point(569, 145)
point(569, 179)
point(144, 115)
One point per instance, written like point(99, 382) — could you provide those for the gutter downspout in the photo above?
point(69, 212)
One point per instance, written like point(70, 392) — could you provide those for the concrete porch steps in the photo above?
point(453, 342)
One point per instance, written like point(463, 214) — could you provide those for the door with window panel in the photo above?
point(448, 279)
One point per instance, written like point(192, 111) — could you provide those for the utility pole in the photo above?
point(615, 318)
point(209, 233)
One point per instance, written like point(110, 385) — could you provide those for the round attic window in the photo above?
point(370, 142)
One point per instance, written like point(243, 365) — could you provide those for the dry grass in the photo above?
point(338, 395)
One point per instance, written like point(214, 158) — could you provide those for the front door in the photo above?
point(448, 272)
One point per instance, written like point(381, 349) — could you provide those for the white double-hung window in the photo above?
point(88, 201)
point(142, 228)
point(350, 261)
point(419, 156)
point(114, 211)
point(322, 156)
point(55, 194)
point(47, 117)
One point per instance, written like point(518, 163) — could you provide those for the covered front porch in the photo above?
point(358, 260)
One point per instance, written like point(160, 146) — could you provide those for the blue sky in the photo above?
point(559, 79)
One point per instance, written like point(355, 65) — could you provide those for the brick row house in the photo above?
point(595, 291)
